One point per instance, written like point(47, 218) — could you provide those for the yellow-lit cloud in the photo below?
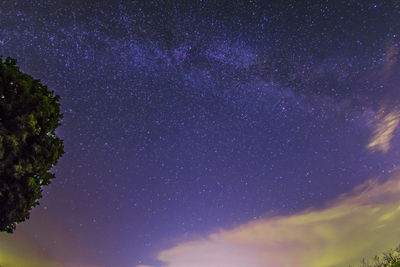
point(356, 225)
point(385, 125)
point(20, 250)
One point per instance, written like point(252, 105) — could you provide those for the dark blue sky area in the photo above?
point(181, 118)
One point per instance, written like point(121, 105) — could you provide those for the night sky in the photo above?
point(188, 118)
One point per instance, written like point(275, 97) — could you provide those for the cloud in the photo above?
point(385, 126)
point(27, 246)
point(390, 60)
point(356, 225)
point(19, 243)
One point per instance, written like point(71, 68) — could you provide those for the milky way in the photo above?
point(183, 118)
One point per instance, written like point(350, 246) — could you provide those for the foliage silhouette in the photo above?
point(29, 115)
point(388, 259)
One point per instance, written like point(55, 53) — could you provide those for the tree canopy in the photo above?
point(388, 259)
point(29, 147)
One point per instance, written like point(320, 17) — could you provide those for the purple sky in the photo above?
point(180, 119)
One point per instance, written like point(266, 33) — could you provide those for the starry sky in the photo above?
point(191, 126)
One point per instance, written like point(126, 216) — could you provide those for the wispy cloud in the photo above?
point(24, 247)
point(355, 225)
point(385, 125)
point(390, 60)
point(17, 244)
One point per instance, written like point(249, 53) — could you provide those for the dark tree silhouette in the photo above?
point(390, 258)
point(29, 115)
